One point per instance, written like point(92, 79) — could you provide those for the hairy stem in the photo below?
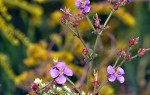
point(73, 85)
point(87, 17)
point(116, 62)
point(96, 42)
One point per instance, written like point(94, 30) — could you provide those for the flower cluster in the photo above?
point(84, 7)
point(60, 71)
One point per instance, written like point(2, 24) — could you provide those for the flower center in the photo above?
point(116, 73)
point(61, 71)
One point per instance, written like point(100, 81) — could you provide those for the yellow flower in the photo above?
point(30, 62)
point(55, 18)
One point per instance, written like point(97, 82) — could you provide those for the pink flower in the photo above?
point(59, 72)
point(83, 6)
point(115, 74)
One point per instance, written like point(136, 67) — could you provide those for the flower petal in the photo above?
point(120, 79)
point(61, 79)
point(120, 71)
point(78, 3)
point(61, 65)
point(112, 78)
point(53, 72)
point(68, 71)
point(110, 70)
point(87, 9)
point(87, 2)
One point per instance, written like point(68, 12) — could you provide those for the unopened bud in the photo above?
point(97, 21)
point(141, 52)
point(85, 51)
point(121, 52)
point(127, 57)
point(35, 87)
point(75, 23)
point(62, 19)
point(112, 1)
point(95, 82)
point(116, 6)
point(47, 88)
point(134, 41)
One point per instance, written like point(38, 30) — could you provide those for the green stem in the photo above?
point(116, 62)
point(88, 79)
point(121, 63)
point(96, 42)
point(72, 30)
point(104, 83)
point(73, 85)
point(82, 41)
point(87, 17)
point(95, 45)
point(94, 89)
point(134, 56)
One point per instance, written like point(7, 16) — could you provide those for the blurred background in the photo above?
point(31, 34)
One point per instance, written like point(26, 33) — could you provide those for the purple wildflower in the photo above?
point(67, 12)
point(83, 6)
point(113, 74)
point(59, 72)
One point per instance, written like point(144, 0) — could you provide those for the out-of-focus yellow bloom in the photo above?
point(107, 90)
point(55, 18)
point(31, 8)
point(3, 10)
point(70, 4)
point(4, 62)
point(12, 34)
point(37, 52)
point(65, 56)
point(23, 76)
point(84, 26)
point(30, 62)
point(77, 46)
point(122, 44)
point(56, 38)
point(125, 17)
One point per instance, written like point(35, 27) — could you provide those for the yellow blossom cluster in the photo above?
point(36, 53)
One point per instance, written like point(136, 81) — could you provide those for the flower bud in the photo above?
point(62, 19)
point(116, 6)
point(141, 52)
point(121, 52)
point(95, 82)
point(97, 21)
point(75, 23)
point(112, 1)
point(127, 57)
point(85, 51)
point(47, 88)
point(134, 41)
point(35, 87)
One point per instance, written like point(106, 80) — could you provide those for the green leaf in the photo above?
point(87, 60)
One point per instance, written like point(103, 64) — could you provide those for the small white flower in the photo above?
point(38, 81)
point(67, 88)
